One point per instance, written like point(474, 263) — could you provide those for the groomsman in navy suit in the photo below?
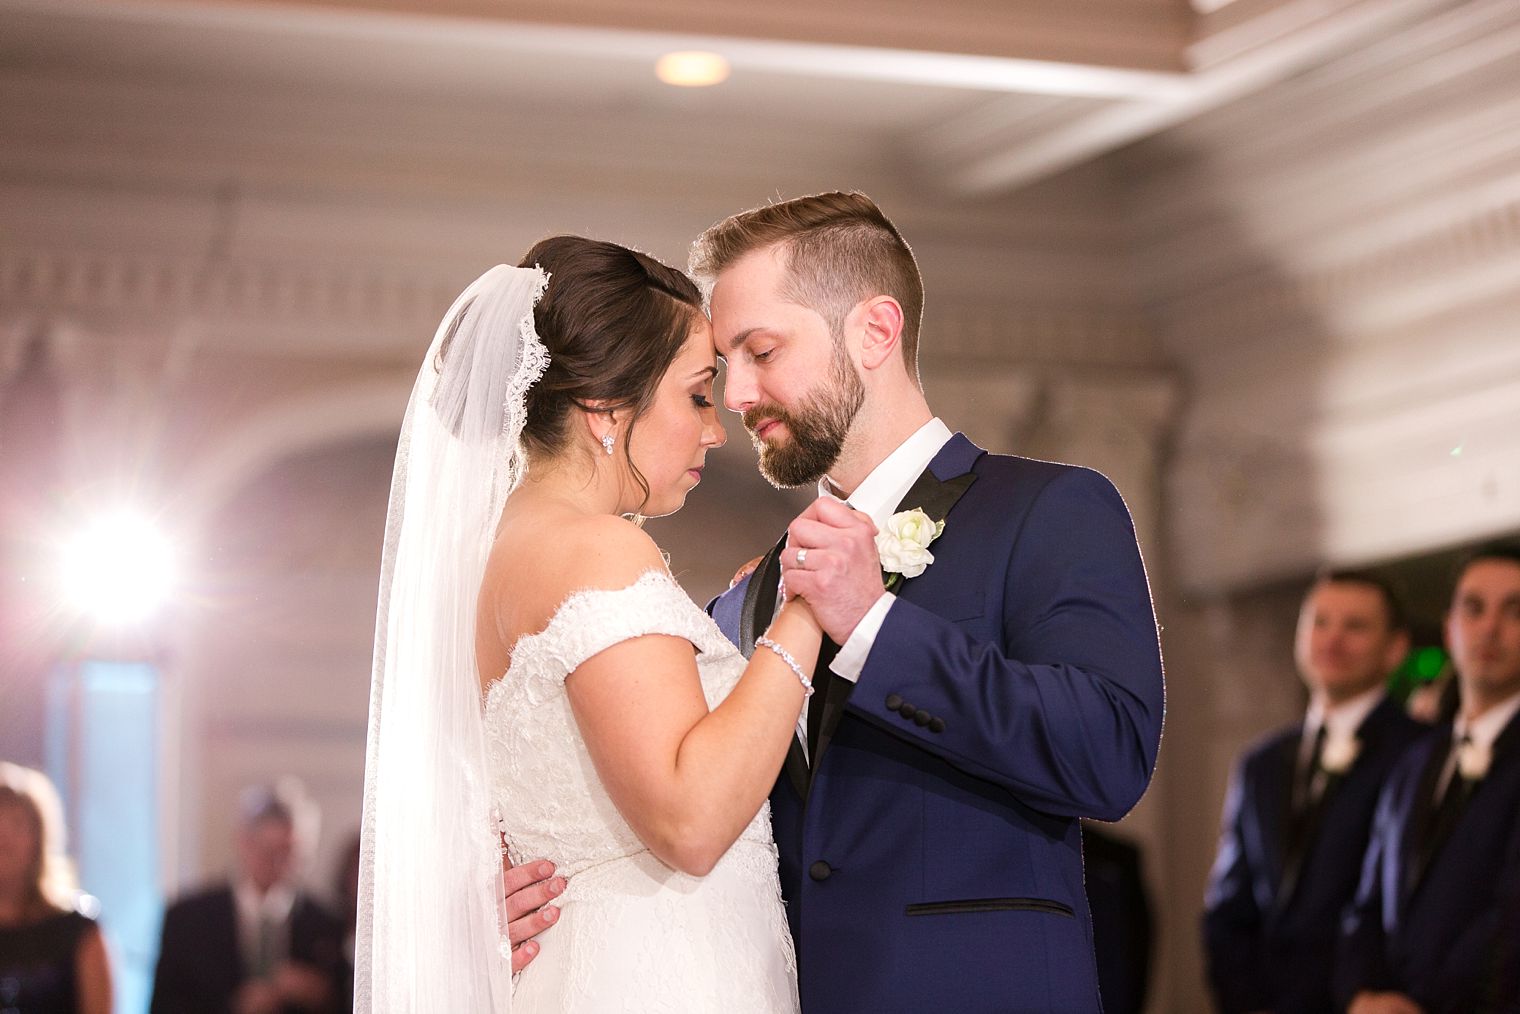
point(1300, 805)
point(1436, 927)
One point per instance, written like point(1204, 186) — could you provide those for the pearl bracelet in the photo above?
point(791, 663)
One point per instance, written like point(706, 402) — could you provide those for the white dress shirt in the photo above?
point(263, 924)
point(1340, 723)
point(1486, 727)
point(1481, 732)
point(1342, 720)
point(877, 496)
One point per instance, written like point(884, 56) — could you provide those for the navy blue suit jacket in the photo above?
point(1273, 910)
point(931, 859)
point(1450, 937)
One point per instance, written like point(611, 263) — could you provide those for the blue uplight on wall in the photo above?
point(102, 750)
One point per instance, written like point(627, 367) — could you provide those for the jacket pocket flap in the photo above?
point(992, 905)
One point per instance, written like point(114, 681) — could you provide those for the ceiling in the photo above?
point(973, 98)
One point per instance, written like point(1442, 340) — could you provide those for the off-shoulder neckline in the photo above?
point(656, 574)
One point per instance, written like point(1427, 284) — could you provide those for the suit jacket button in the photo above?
point(921, 718)
point(906, 710)
point(936, 725)
point(894, 701)
point(820, 871)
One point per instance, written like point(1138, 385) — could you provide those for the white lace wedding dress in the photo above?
point(634, 935)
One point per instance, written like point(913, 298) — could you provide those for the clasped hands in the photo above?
point(830, 561)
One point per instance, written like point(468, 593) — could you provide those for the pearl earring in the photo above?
point(607, 443)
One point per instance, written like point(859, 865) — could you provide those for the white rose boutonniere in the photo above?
point(1339, 754)
point(903, 545)
point(1473, 760)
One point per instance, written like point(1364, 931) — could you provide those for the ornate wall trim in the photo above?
point(1402, 278)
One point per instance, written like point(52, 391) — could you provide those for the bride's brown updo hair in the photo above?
point(612, 320)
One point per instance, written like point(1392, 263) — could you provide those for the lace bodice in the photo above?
point(551, 802)
point(634, 935)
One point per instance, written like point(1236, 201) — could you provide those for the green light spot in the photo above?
point(1428, 663)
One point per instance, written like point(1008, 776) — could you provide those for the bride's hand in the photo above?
point(745, 571)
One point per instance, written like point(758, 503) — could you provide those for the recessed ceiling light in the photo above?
point(691, 69)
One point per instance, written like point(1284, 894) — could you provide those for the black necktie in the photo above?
point(1304, 790)
point(823, 681)
point(1303, 800)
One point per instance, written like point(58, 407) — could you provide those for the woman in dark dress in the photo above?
point(52, 958)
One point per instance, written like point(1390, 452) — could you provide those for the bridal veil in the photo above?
point(431, 935)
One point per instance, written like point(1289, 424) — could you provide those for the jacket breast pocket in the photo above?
point(1045, 905)
point(958, 606)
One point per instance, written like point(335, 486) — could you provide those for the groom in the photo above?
point(968, 713)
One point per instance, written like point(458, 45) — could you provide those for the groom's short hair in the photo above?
point(840, 249)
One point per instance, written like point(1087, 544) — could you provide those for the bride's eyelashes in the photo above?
point(702, 401)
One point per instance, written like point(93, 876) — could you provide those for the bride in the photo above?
point(539, 671)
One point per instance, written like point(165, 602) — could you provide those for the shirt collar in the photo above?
point(883, 489)
point(1486, 727)
point(275, 905)
point(1341, 721)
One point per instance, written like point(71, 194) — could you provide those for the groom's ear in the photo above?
point(882, 323)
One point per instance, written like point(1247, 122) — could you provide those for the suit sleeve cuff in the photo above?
point(851, 660)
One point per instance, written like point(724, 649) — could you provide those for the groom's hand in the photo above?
point(840, 572)
point(529, 889)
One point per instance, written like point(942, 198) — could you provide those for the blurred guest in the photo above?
point(52, 958)
point(258, 945)
point(1436, 926)
point(1121, 918)
point(1300, 805)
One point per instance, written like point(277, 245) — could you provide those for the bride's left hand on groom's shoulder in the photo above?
point(745, 571)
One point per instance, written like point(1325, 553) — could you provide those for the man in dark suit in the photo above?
point(1436, 926)
point(1300, 805)
point(1006, 683)
point(1121, 918)
point(258, 945)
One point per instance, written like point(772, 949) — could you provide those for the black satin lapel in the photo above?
point(1508, 741)
point(839, 690)
point(1279, 803)
point(935, 497)
point(760, 599)
point(1420, 811)
point(1308, 832)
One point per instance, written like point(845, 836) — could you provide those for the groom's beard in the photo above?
point(817, 427)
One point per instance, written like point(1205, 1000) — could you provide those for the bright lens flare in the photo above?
point(120, 570)
point(692, 69)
